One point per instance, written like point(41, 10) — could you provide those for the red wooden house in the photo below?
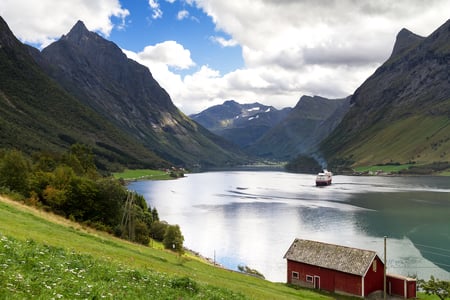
point(344, 270)
point(334, 268)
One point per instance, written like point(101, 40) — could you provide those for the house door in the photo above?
point(317, 282)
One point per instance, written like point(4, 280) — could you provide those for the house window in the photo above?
point(309, 278)
point(294, 275)
point(374, 265)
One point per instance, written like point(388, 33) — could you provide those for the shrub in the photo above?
point(173, 239)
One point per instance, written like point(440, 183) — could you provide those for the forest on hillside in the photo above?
point(70, 185)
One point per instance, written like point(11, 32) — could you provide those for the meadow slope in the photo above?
point(53, 257)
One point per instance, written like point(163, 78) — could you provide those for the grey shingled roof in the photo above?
point(335, 257)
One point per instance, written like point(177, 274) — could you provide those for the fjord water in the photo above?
point(251, 218)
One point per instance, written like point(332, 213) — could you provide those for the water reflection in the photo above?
point(251, 218)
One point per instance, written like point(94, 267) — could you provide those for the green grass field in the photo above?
point(143, 174)
point(383, 168)
point(46, 256)
point(394, 169)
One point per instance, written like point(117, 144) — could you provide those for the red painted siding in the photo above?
point(396, 286)
point(412, 287)
point(348, 283)
point(374, 281)
point(330, 280)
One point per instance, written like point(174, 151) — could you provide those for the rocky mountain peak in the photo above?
point(78, 31)
point(82, 38)
point(7, 38)
point(405, 40)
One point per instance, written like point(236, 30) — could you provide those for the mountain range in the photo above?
point(242, 124)
point(306, 125)
point(269, 133)
point(401, 113)
point(83, 87)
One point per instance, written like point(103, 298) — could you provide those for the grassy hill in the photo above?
point(50, 257)
point(420, 139)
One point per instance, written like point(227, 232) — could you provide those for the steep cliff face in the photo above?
point(99, 74)
point(306, 125)
point(242, 124)
point(37, 114)
point(401, 112)
point(405, 41)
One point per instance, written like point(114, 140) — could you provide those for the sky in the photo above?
point(204, 52)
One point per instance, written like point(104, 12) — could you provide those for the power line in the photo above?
point(435, 253)
point(419, 267)
point(437, 248)
point(441, 264)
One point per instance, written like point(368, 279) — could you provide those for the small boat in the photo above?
point(324, 178)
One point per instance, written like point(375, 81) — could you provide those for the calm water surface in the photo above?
point(251, 218)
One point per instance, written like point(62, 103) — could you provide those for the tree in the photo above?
point(142, 234)
point(173, 239)
point(158, 230)
point(14, 171)
point(436, 287)
point(155, 214)
point(55, 198)
point(81, 159)
point(44, 161)
point(55, 187)
point(112, 195)
point(82, 201)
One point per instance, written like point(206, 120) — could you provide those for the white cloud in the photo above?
point(157, 12)
point(169, 52)
point(224, 42)
point(292, 47)
point(41, 22)
point(182, 14)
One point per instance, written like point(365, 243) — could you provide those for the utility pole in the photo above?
point(385, 266)
point(128, 223)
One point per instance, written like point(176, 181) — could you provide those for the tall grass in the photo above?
point(45, 256)
point(31, 270)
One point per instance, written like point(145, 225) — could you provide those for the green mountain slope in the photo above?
point(36, 114)
point(306, 125)
point(402, 112)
